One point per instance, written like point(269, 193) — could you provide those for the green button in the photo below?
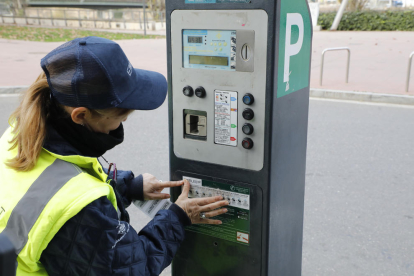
point(233, 126)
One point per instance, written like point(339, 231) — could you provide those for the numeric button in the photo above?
point(200, 92)
point(247, 143)
point(248, 114)
point(247, 129)
point(248, 99)
point(188, 91)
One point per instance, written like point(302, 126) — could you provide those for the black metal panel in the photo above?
point(204, 255)
point(287, 183)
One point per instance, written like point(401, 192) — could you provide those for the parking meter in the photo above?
point(238, 74)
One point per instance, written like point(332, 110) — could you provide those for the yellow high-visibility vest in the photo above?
point(34, 205)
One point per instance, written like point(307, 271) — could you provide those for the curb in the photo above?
point(314, 93)
point(362, 96)
point(12, 89)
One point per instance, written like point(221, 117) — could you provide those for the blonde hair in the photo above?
point(28, 123)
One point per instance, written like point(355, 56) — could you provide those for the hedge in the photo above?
point(370, 21)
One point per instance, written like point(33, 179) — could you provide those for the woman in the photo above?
point(63, 212)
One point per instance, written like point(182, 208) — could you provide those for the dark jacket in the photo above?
point(99, 241)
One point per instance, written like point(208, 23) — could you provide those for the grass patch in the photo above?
point(59, 35)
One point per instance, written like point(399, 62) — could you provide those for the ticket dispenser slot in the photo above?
point(195, 125)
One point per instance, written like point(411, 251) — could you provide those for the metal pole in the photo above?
point(64, 15)
point(79, 19)
point(25, 16)
point(338, 16)
point(51, 17)
point(145, 19)
point(38, 17)
point(321, 74)
point(410, 59)
point(140, 20)
point(347, 65)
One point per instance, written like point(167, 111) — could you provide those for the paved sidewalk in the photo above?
point(378, 60)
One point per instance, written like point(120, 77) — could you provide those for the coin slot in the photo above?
point(246, 52)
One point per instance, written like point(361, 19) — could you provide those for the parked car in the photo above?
point(397, 3)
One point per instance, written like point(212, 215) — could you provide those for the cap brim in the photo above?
point(149, 93)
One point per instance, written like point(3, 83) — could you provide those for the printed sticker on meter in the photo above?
point(225, 118)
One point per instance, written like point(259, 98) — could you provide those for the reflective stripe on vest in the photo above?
point(31, 205)
point(34, 205)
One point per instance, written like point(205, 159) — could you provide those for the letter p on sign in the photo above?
point(292, 49)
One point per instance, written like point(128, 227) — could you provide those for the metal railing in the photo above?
point(347, 66)
point(51, 3)
point(410, 59)
point(88, 18)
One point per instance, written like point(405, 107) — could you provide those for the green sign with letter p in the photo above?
point(295, 38)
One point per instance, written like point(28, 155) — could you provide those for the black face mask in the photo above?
point(89, 143)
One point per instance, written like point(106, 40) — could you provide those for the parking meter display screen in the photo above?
point(209, 60)
point(209, 49)
point(195, 39)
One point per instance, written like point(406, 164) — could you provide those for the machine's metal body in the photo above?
point(238, 128)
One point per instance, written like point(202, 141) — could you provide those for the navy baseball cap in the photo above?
point(94, 72)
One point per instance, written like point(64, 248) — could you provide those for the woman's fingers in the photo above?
point(156, 196)
point(215, 213)
point(169, 184)
point(186, 189)
point(213, 206)
point(207, 200)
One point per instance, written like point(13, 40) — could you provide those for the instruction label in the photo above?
point(236, 222)
point(225, 118)
point(216, 1)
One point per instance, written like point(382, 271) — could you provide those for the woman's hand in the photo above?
point(194, 206)
point(153, 187)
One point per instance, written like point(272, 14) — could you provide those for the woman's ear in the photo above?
point(80, 115)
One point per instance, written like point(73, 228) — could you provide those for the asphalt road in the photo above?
point(359, 211)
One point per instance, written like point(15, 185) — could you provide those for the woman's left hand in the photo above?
point(153, 187)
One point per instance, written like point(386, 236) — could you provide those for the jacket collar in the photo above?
point(61, 149)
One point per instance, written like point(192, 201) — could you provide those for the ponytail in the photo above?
point(28, 123)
